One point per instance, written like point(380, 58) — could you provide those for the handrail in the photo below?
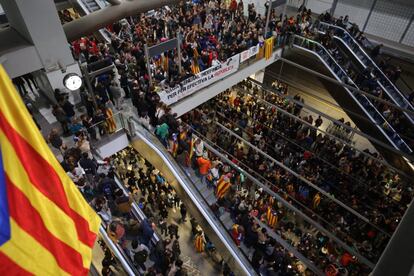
point(241, 64)
point(342, 141)
point(197, 199)
point(399, 143)
point(135, 209)
point(397, 95)
point(317, 156)
point(117, 252)
point(297, 175)
point(290, 248)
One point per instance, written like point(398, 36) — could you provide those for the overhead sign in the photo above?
point(162, 47)
point(201, 80)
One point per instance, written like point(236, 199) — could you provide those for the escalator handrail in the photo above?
point(136, 210)
point(202, 205)
point(138, 213)
point(128, 267)
point(373, 63)
point(290, 248)
point(396, 135)
point(86, 10)
point(284, 202)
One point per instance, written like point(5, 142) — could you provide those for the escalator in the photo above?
point(356, 52)
point(153, 151)
point(386, 139)
point(85, 7)
point(201, 198)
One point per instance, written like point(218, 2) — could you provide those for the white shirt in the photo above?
point(199, 149)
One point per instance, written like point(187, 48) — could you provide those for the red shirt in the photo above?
point(204, 165)
point(346, 259)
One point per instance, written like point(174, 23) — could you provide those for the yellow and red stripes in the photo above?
point(199, 243)
point(271, 217)
point(223, 187)
point(53, 229)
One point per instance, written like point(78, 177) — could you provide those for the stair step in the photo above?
point(227, 221)
point(211, 199)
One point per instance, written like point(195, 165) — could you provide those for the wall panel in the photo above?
point(389, 20)
point(357, 10)
point(409, 36)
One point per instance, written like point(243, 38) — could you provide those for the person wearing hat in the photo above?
point(204, 166)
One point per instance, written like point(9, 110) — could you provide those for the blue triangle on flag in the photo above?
point(4, 207)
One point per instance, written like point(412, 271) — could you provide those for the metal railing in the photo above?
point(104, 129)
point(294, 209)
point(118, 253)
point(364, 103)
point(365, 60)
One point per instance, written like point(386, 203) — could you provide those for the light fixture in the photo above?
point(72, 81)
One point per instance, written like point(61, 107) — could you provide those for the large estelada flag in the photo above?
point(46, 227)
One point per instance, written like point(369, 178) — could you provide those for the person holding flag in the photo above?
point(199, 241)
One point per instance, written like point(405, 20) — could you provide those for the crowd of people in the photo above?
point(235, 194)
point(350, 166)
point(213, 31)
point(148, 189)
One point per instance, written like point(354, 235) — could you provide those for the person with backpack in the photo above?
point(140, 258)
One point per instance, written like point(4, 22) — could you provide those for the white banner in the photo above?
point(244, 55)
point(252, 51)
point(201, 80)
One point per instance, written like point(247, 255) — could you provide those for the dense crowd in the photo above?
point(213, 32)
point(258, 122)
point(134, 236)
point(244, 206)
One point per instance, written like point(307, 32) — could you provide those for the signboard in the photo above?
point(199, 81)
point(162, 47)
point(252, 51)
point(244, 55)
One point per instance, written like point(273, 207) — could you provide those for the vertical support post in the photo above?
point(284, 9)
point(147, 60)
point(406, 29)
point(398, 256)
point(369, 14)
point(269, 8)
point(333, 8)
point(89, 85)
point(180, 68)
